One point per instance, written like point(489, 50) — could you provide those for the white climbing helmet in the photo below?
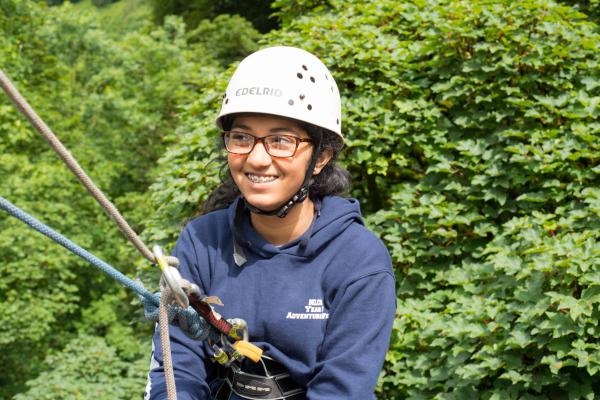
point(284, 81)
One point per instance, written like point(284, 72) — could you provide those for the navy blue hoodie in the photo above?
point(322, 305)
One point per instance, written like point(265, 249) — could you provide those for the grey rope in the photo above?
point(74, 166)
point(165, 341)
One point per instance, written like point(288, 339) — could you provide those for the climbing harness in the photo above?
point(232, 345)
point(265, 380)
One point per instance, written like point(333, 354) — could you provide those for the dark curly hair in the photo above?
point(332, 180)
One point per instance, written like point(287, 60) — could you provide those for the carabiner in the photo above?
point(172, 277)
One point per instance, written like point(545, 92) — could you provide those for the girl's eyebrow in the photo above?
point(282, 129)
point(240, 126)
point(272, 130)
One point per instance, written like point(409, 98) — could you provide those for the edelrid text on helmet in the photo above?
point(257, 91)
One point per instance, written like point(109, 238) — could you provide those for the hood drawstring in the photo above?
point(238, 251)
point(307, 235)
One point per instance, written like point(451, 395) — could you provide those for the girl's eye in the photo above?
point(282, 140)
point(239, 137)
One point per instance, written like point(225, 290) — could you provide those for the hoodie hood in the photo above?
point(333, 215)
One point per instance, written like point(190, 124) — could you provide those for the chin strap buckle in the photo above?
point(298, 198)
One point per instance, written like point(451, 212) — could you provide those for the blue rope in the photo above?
point(69, 245)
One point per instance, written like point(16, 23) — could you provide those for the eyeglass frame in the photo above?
point(262, 139)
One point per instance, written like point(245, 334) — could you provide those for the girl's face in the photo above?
point(265, 181)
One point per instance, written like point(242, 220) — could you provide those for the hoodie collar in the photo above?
point(332, 215)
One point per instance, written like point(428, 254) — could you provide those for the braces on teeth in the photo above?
point(261, 179)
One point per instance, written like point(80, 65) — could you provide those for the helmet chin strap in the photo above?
point(300, 195)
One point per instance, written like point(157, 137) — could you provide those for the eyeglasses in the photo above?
point(238, 142)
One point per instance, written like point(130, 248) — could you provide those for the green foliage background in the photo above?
point(472, 137)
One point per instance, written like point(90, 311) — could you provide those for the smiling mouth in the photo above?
point(260, 178)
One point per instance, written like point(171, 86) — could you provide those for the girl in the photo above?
point(284, 252)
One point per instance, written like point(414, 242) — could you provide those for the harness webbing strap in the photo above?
point(25, 109)
point(81, 252)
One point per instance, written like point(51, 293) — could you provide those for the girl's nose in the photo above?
point(259, 157)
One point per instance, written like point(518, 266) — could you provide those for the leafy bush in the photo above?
point(102, 3)
point(590, 7)
point(87, 368)
point(190, 167)
point(227, 37)
point(192, 12)
point(288, 10)
point(111, 98)
point(257, 12)
point(473, 139)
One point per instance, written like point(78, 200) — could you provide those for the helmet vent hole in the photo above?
point(332, 89)
point(304, 68)
point(291, 102)
point(326, 77)
point(226, 101)
point(299, 75)
point(309, 107)
point(337, 121)
point(312, 79)
point(302, 97)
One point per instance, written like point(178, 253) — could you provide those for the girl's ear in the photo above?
point(322, 161)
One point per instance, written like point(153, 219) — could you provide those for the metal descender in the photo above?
point(233, 344)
